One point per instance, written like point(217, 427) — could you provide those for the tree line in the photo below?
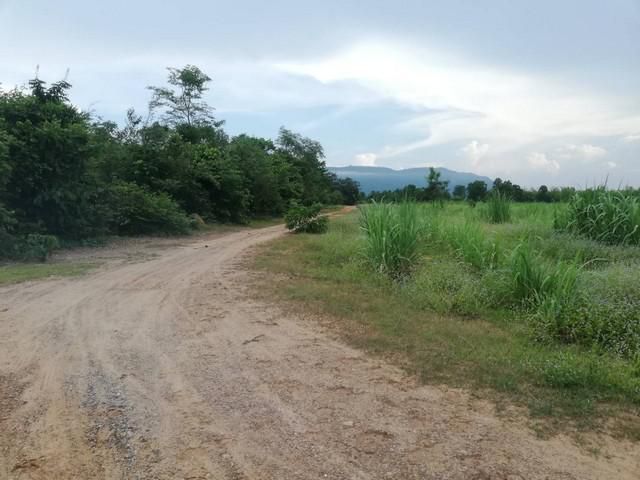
point(437, 190)
point(67, 175)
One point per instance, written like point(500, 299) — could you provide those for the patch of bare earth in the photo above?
point(169, 367)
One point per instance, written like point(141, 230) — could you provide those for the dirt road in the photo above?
point(163, 366)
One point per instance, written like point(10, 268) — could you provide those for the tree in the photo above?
point(459, 192)
point(348, 189)
point(183, 104)
point(48, 186)
point(543, 194)
point(476, 191)
point(436, 189)
point(306, 157)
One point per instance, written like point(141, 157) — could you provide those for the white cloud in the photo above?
point(612, 164)
point(540, 161)
point(505, 108)
point(632, 138)
point(586, 152)
point(475, 151)
point(365, 159)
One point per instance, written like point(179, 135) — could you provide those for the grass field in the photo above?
point(15, 273)
point(520, 313)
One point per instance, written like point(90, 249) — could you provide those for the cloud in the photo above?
point(586, 152)
point(612, 164)
point(365, 159)
point(632, 138)
point(505, 107)
point(475, 151)
point(540, 161)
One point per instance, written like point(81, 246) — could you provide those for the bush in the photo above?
point(603, 215)
point(27, 248)
point(498, 208)
point(392, 235)
point(135, 211)
point(301, 219)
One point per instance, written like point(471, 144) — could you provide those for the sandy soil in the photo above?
point(161, 365)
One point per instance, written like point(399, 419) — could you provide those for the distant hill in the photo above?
point(383, 178)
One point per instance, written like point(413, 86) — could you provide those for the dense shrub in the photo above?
point(301, 219)
point(32, 247)
point(135, 210)
point(392, 237)
point(604, 215)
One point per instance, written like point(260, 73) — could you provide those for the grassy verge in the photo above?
point(16, 273)
point(452, 322)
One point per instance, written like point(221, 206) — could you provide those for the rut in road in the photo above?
point(167, 368)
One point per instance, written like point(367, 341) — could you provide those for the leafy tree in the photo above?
point(262, 173)
point(459, 192)
point(476, 191)
point(543, 194)
point(183, 104)
point(436, 189)
point(306, 157)
point(348, 189)
point(49, 145)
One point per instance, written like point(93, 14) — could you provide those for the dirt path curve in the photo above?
point(166, 368)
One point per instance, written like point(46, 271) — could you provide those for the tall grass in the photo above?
point(604, 215)
point(392, 234)
point(536, 281)
point(498, 208)
point(471, 244)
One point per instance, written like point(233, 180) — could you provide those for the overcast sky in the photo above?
point(539, 91)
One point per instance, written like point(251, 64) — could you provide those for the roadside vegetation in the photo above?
point(67, 176)
point(16, 273)
point(532, 315)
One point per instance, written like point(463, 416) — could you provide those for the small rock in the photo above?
point(348, 423)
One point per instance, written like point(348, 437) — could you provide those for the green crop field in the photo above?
point(522, 311)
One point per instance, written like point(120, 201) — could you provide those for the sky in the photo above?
point(539, 92)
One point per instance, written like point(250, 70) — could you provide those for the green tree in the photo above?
point(476, 191)
point(182, 102)
point(309, 170)
point(459, 192)
point(436, 189)
point(48, 149)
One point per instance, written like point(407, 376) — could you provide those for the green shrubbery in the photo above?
point(301, 219)
point(31, 247)
point(135, 211)
point(62, 173)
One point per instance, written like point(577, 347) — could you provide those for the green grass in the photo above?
point(609, 216)
point(391, 235)
point(498, 208)
point(460, 319)
point(15, 273)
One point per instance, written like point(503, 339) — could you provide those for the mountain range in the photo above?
point(383, 178)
